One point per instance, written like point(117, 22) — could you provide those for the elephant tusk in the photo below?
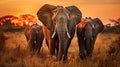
point(92, 38)
point(53, 34)
point(68, 35)
point(84, 38)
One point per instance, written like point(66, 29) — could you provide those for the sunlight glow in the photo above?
point(26, 22)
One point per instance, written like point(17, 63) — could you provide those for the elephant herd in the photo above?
point(59, 26)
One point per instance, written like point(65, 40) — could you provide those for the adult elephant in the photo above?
point(87, 32)
point(34, 36)
point(59, 26)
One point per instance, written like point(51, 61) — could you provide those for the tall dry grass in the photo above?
point(16, 53)
point(2, 40)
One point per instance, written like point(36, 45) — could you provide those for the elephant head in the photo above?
point(89, 30)
point(60, 20)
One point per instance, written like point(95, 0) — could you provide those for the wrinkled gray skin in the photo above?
point(60, 23)
point(34, 36)
point(87, 36)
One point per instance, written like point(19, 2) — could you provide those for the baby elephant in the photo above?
point(34, 36)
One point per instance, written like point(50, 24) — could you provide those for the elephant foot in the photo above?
point(38, 52)
point(89, 54)
point(52, 53)
point(59, 58)
point(64, 58)
point(82, 56)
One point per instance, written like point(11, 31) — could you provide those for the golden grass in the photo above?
point(2, 40)
point(16, 53)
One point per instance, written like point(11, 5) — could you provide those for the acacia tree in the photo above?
point(115, 22)
point(28, 17)
point(8, 19)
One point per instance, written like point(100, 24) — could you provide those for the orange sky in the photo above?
point(103, 9)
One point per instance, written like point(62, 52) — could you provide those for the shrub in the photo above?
point(113, 29)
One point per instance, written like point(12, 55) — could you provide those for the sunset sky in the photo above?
point(103, 9)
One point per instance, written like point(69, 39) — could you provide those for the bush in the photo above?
point(113, 29)
point(114, 49)
point(8, 27)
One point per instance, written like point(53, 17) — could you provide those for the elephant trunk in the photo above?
point(62, 44)
point(89, 45)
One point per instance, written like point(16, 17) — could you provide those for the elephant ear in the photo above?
point(75, 13)
point(98, 25)
point(44, 14)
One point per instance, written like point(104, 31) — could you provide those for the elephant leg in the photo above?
point(66, 50)
point(39, 42)
point(81, 45)
point(31, 44)
point(34, 46)
point(52, 47)
point(57, 50)
point(88, 46)
point(92, 46)
point(56, 47)
point(88, 49)
point(60, 53)
point(39, 47)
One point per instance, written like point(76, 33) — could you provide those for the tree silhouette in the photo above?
point(7, 19)
point(113, 29)
point(115, 22)
point(28, 17)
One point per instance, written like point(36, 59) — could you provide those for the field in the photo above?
point(16, 54)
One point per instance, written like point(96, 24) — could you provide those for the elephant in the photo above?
point(59, 27)
point(87, 31)
point(34, 36)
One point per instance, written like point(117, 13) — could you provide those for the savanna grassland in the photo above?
point(14, 53)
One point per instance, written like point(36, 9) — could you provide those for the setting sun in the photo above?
point(26, 22)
